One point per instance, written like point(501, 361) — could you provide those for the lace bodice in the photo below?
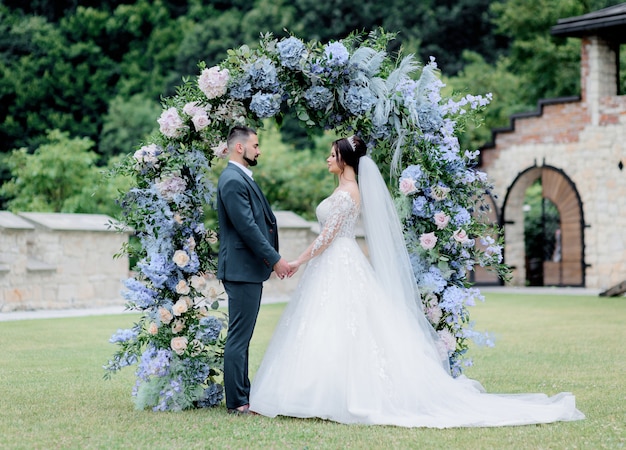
point(337, 215)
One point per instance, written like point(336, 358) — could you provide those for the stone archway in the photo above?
point(569, 268)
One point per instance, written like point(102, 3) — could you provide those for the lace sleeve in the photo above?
point(340, 210)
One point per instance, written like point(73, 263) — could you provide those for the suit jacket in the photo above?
point(248, 230)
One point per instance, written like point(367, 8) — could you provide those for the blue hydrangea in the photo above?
point(420, 206)
point(209, 329)
point(292, 52)
point(265, 105)
point(212, 396)
point(359, 100)
point(154, 362)
point(318, 97)
point(263, 75)
point(432, 281)
point(460, 216)
point(241, 87)
point(430, 118)
point(414, 171)
point(336, 54)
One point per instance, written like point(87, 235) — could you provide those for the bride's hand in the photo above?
point(293, 266)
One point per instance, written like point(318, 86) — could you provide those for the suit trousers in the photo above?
point(244, 302)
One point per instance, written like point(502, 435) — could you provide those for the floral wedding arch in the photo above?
point(350, 86)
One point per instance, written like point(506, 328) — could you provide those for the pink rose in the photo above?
point(153, 328)
point(441, 220)
point(179, 344)
point(192, 109)
point(407, 186)
point(221, 150)
point(434, 314)
point(171, 125)
point(200, 121)
point(460, 236)
point(428, 240)
point(449, 341)
point(171, 187)
point(213, 82)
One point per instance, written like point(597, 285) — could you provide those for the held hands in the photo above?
point(284, 269)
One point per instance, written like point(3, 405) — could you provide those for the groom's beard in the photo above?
point(251, 162)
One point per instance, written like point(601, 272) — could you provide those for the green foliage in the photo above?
point(128, 122)
point(60, 176)
point(294, 180)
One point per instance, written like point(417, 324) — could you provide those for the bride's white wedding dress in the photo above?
point(343, 350)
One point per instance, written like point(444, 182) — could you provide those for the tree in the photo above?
point(127, 123)
point(60, 176)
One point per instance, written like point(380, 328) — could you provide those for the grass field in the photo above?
point(54, 396)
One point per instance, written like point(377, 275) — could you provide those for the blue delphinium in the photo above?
point(138, 294)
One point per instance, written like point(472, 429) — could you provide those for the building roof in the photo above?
point(608, 23)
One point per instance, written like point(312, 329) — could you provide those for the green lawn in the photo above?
point(54, 396)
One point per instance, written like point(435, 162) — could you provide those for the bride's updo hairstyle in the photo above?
point(349, 150)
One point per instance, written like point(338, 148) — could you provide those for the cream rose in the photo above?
point(180, 307)
point(153, 328)
point(179, 344)
point(182, 287)
point(165, 315)
point(178, 326)
point(181, 258)
point(198, 282)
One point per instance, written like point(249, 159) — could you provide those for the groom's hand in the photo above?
point(282, 268)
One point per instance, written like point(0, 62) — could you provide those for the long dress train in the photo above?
point(339, 352)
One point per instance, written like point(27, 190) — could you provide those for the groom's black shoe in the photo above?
point(241, 411)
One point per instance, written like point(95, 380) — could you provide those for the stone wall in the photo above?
point(55, 261)
point(60, 261)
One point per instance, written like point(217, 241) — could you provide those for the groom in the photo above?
point(248, 254)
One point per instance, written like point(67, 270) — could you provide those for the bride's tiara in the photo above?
point(351, 142)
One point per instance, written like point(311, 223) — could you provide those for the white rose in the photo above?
point(428, 240)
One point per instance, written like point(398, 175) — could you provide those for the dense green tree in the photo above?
point(60, 176)
point(128, 123)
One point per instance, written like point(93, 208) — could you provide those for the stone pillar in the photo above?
point(599, 73)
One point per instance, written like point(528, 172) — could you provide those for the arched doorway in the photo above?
point(558, 255)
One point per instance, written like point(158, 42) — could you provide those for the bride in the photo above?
point(353, 345)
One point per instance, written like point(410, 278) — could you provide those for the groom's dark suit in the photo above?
point(248, 252)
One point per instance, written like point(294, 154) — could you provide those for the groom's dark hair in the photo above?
point(237, 134)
